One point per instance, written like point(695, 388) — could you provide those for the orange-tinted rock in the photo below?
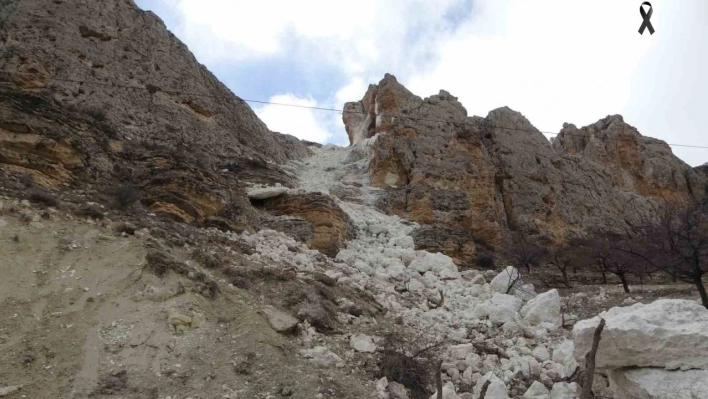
point(330, 225)
point(99, 95)
point(478, 179)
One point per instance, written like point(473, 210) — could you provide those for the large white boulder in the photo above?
point(496, 389)
point(280, 321)
point(501, 282)
point(564, 390)
point(448, 392)
point(362, 343)
point(537, 391)
point(435, 262)
point(545, 308)
point(541, 353)
point(500, 308)
point(670, 333)
point(654, 383)
point(564, 359)
point(266, 192)
point(322, 356)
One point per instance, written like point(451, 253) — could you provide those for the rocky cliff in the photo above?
point(474, 180)
point(100, 95)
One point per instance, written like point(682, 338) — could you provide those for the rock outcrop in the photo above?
point(99, 95)
point(330, 224)
point(473, 180)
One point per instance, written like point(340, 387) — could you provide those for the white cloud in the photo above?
point(554, 61)
point(302, 123)
point(352, 91)
point(356, 36)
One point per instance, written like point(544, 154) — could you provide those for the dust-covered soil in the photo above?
point(83, 317)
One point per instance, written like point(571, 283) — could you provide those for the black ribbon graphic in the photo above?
point(646, 17)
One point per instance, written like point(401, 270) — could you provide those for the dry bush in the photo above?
point(126, 195)
point(411, 362)
point(159, 263)
point(678, 244)
point(91, 211)
point(485, 261)
point(524, 253)
point(43, 197)
point(236, 277)
point(209, 260)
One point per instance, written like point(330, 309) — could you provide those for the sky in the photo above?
point(555, 61)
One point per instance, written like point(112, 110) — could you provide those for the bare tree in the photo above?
point(678, 244)
point(564, 257)
point(524, 253)
point(614, 254)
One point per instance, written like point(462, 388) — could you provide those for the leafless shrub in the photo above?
point(126, 195)
point(514, 280)
point(485, 261)
point(43, 197)
point(209, 260)
point(563, 257)
point(613, 254)
point(524, 253)
point(236, 277)
point(160, 263)
point(412, 363)
point(678, 244)
point(91, 211)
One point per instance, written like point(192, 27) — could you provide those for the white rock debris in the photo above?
point(322, 356)
point(514, 323)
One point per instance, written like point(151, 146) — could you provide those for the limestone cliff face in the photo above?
point(101, 93)
point(472, 179)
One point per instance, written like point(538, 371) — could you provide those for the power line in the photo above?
point(153, 89)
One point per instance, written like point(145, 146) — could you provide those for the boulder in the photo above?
point(670, 333)
point(322, 356)
point(496, 389)
point(541, 353)
point(563, 356)
point(448, 392)
point(544, 308)
point(397, 391)
point(460, 352)
point(362, 343)
point(655, 383)
point(537, 391)
point(435, 262)
point(504, 279)
point(4, 391)
point(500, 308)
point(280, 321)
point(266, 192)
point(564, 390)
